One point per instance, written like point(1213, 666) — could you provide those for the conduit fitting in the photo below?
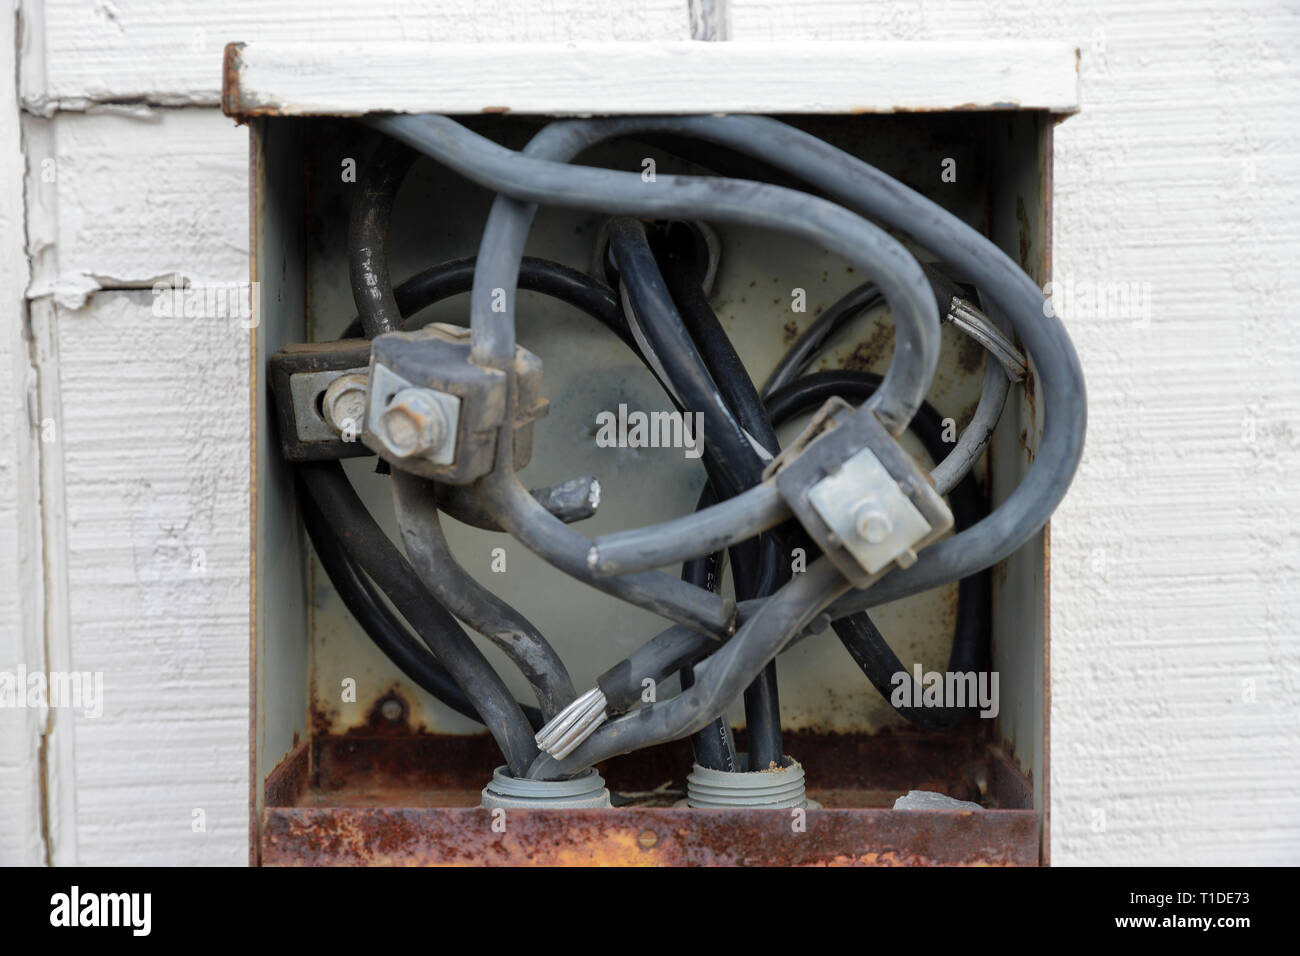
point(586, 791)
point(772, 789)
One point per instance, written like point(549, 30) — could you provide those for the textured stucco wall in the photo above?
point(1176, 657)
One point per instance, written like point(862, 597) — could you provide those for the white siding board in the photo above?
point(169, 52)
point(1176, 557)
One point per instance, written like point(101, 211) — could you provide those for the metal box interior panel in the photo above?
point(399, 771)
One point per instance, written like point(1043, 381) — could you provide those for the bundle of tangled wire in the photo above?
point(651, 292)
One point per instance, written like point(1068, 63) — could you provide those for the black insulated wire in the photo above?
point(372, 211)
point(730, 456)
point(713, 746)
point(554, 279)
point(759, 566)
point(671, 349)
point(370, 548)
point(389, 633)
point(765, 624)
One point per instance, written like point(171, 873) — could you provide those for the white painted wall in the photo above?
point(1176, 656)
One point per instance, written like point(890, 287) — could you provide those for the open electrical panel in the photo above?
point(355, 762)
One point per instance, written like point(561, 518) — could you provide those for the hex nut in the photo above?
point(344, 405)
point(871, 521)
point(413, 423)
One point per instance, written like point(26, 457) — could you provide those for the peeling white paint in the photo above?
point(133, 200)
point(169, 53)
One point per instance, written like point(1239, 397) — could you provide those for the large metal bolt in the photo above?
point(414, 423)
point(871, 521)
point(344, 405)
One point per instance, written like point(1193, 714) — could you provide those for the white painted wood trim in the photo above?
point(60, 734)
point(168, 52)
point(586, 78)
point(22, 590)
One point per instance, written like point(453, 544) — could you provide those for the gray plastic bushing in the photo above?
point(760, 789)
point(585, 791)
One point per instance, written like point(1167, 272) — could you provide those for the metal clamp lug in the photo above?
point(862, 498)
point(434, 413)
point(319, 402)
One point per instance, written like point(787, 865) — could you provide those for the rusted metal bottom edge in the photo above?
point(302, 836)
point(965, 765)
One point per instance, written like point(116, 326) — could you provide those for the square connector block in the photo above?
point(861, 497)
point(862, 504)
point(300, 373)
point(437, 357)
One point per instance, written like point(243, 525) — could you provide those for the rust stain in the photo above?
point(392, 756)
point(289, 780)
point(682, 837)
point(1025, 232)
point(385, 794)
point(970, 355)
point(869, 352)
point(230, 81)
point(1025, 446)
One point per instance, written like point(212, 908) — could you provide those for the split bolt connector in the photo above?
point(862, 498)
point(434, 413)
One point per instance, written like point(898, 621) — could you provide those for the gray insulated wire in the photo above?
point(375, 554)
point(976, 435)
point(542, 174)
point(718, 680)
point(1060, 379)
point(767, 625)
point(866, 189)
point(416, 503)
point(524, 179)
point(574, 500)
point(1010, 290)
point(708, 530)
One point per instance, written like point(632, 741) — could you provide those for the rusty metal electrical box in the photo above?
point(354, 762)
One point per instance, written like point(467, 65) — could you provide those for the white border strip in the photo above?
point(586, 78)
